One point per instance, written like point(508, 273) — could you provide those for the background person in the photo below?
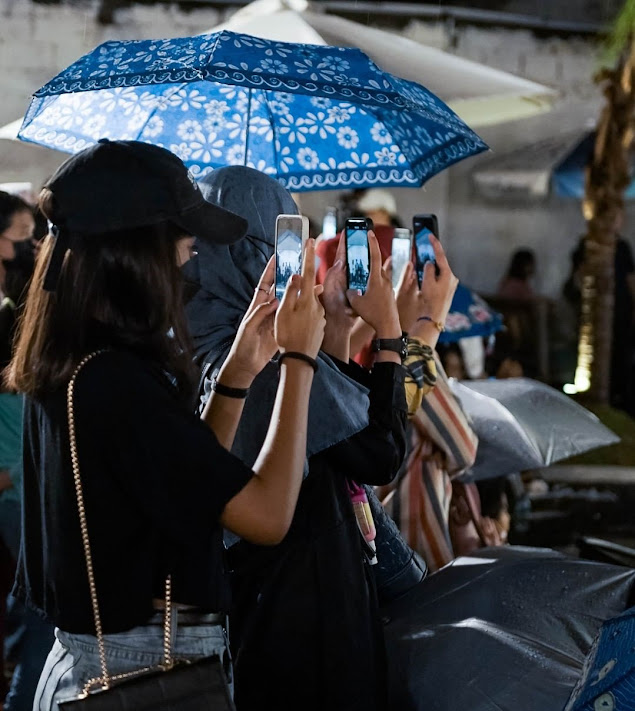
point(380, 205)
point(517, 282)
point(29, 638)
point(158, 483)
point(17, 224)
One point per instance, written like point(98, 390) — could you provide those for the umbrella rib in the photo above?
point(273, 131)
point(245, 157)
point(170, 92)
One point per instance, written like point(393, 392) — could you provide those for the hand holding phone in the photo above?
point(300, 322)
point(338, 311)
point(357, 253)
point(401, 253)
point(292, 233)
point(377, 305)
point(437, 291)
point(423, 226)
point(254, 345)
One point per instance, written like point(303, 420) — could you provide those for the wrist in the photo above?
point(389, 329)
point(336, 343)
point(233, 376)
point(297, 360)
point(425, 331)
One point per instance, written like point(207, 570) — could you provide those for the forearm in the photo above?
point(362, 333)
point(223, 413)
point(263, 510)
point(427, 332)
point(281, 462)
point(336, 341)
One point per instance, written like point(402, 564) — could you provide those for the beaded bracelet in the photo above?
point(440, 326)
point(298, 356)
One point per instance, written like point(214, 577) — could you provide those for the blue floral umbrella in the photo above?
point(316, 117)
point(470, 316)
point(608, 680)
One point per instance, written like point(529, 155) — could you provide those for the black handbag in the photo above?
point(171, 686)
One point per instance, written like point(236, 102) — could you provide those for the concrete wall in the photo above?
point(38, 40)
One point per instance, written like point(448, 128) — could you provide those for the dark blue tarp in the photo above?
point(569, 175)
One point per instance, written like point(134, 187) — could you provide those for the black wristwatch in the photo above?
point(396, 345)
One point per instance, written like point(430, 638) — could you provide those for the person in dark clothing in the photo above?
point(304, 625)
point(517, 281)
point(29, 637)
point(158, 482)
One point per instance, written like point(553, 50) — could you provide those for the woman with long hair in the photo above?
point(105, 309)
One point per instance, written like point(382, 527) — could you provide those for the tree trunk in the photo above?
point(607, 177)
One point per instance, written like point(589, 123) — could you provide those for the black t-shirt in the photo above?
point(155, 483)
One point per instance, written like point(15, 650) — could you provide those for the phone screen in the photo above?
point(288, 251)
point(357, 257)
point(424, 226)
point(401, 254)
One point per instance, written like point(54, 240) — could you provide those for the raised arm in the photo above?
point(253, 347)
point(262, 511)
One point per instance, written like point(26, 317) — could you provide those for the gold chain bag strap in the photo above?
point(186, 686)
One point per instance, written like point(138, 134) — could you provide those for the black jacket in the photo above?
point(304, 629)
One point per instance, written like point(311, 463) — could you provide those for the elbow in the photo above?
point(270, 530)
point(273, 534)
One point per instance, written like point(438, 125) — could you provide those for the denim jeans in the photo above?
point(398, 567)
point(74, 659)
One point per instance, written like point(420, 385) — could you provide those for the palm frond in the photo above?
point(622, 34)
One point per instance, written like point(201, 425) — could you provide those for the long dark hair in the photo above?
point(116, 290)
point(10, 205)
point(522, 262)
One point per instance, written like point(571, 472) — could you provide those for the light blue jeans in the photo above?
point(74, 658)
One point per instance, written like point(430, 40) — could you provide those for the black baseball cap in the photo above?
point(114, 185)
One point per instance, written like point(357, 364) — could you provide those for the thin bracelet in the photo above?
point(439, 325)
point(298, 356)
point(225, 391)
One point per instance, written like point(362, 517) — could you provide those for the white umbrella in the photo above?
point(10, 131)
point(480, 95)
point(524, 424)
point(25, 162)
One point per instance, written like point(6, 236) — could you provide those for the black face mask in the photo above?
point(24, 256)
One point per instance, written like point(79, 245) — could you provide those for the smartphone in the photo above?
point(401, 252)
point(423, 226)
point(357, 252)
point(292, 233)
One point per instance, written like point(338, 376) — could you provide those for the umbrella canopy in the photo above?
point(315, 117)
point(523, 424)
point(608, 683)
point(505, 631)
point(480, 95)
point(469, 316)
